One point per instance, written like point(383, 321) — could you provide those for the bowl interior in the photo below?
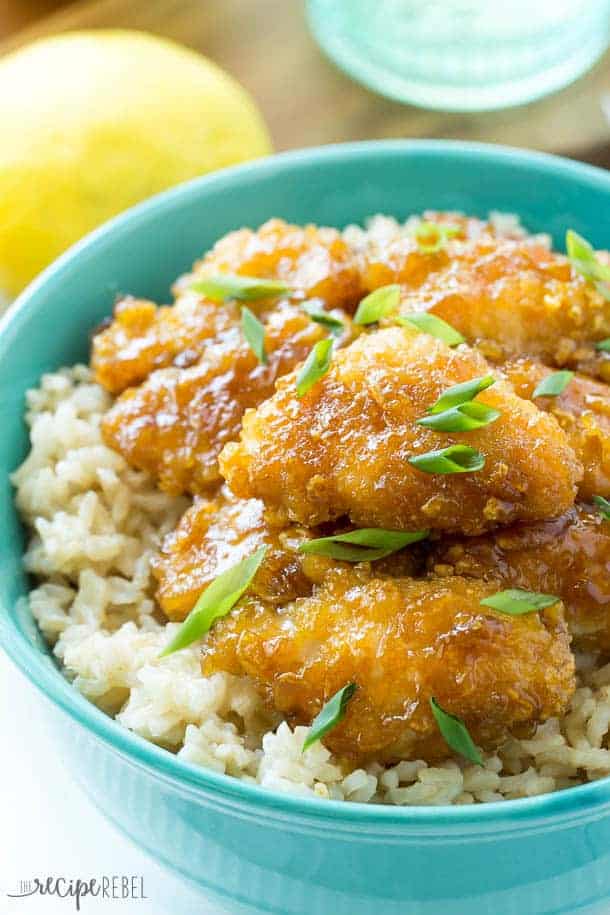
point(143, 251)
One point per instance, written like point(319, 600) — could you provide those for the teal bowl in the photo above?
point(251, 849)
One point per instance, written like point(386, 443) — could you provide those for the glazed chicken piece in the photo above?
point(568, 557)
point(583, 412)
point(314, 262)
point(143, 337)
point(343, 448)
point(389, 252)
point(215, 534)
point(397, 256)
point(402, 641)
point(510, 297)
point(176, 423)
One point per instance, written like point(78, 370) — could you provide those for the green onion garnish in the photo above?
point(226, 286)
point(315, 366)
point(465, 418)
point(430, 324)
point(320, 316)
point(603, 345)
point(378, 304)
point(603, 506)
point(461, 393)
point(433, 236)
point(455, 410)
point(454, 459)
point(516, 601)
point(456, 733)
point(583, 258)
point(331, 714)
point(254, 332)
point(362, 545)
point(553, 385)
point(216, 601)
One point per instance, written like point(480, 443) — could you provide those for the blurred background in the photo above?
point(88, 128)
point(268, 47)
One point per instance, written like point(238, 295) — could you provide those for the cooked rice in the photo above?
point(96, 524)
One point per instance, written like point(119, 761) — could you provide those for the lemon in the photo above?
point(92, 122)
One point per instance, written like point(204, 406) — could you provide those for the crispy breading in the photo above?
point(214, 534)
point(314, 262)
point(582, 411)
point(568, 557)
point(175, 424)
point(401, 641)
point(144, 337)
point(511, 297)
point(343, 448)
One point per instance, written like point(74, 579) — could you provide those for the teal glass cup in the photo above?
point(462, 55)
point(252, 849)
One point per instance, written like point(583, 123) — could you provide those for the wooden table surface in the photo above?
point(304, 98)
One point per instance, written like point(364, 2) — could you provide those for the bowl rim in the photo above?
point(587, 800)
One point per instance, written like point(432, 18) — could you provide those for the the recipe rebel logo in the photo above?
point(114, 887)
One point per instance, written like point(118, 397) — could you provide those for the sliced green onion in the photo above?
point(516, 601)
point(254, 332)
point(603, 506)
point(363, 545)
point(578, 248)
point(315, 366)
point(226, 286)
point(320, 316)
point(553, 385)
point(378, 304)
point(583, 258)
point(603, 345)
point(331, 714)
point(461, 393)
point(455, 410)
point(433, 236)
point(216, 601)
point(456, 734)
point(465, 418)
point(454, 459)
point(430, 324)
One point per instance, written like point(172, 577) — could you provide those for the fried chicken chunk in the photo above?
point(343, 448)
point(583, 412)
point(402, 641)
point(568, 557)
point(314, 262)
point(176, 423)
point(144, 337)
point(511, 297)
point(215, 534)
